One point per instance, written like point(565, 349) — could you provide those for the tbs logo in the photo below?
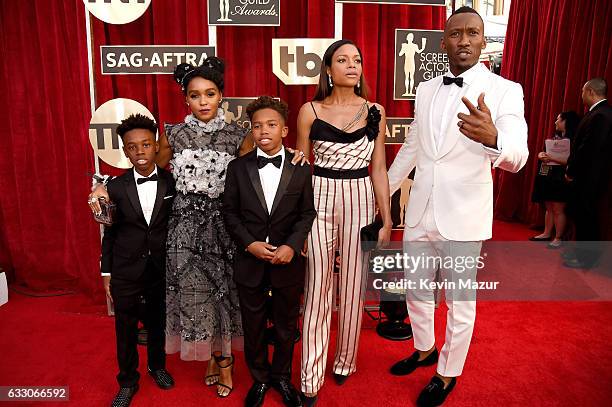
point(117, 11)
point(297, 61)
point(103, 136)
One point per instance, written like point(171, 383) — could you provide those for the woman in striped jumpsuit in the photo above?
point(347, 134)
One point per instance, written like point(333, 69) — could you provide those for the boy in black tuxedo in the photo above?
point(134, 255)
point(269, 209)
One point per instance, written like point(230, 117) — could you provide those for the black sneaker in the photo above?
point(124, 396)
point(162, 378)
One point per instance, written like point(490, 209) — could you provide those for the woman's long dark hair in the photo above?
point(571, 119)
point(323, 88)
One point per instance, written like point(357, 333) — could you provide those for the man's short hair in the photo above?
point(136, 121)
point(268, 102)
point(463, 10)
point(599, 86)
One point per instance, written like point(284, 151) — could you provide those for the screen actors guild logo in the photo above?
point(409, 51)
point(399, 204)
point(103, 136)
point(234, 109)
point(418, 58)
point(151, 59)
point(224, 10)
point(117, 11)
point(395, 135)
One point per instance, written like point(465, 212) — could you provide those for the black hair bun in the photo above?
point(214, 63)
point(181, 70)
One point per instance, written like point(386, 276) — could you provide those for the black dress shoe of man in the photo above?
point(162, 378)
point(291, 397)
point(577, 264)
point(124, 396)
point(409, 365)
point(309, 401)
point(256, 394)
point(434, 393)
point(568, 255)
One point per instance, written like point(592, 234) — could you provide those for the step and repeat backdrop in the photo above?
point(271, 47)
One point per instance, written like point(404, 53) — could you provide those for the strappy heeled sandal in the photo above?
point(212, 378)
point(229, 365)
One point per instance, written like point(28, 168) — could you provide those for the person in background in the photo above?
point(590, 171)
point(550, 186)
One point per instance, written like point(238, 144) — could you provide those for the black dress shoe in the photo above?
point(340, 379)
point(409, 365)
point(291, 397)
point(434, 393)
point(309, 401)
point(124, 396)
point(256, 394)
point(568, 255)
point(576, 264)
point(162, 378)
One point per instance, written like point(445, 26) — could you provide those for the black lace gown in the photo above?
point(203, 315)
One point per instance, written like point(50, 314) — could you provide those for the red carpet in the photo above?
point(522, 354)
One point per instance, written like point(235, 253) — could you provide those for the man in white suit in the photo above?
point(465, 122)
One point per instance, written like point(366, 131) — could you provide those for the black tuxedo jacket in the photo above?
point(247, 218)
point(589, 162)
point(130, 242)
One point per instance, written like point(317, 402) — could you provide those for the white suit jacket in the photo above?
point(457, 175)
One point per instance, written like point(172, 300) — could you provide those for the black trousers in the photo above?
point(588, 224)
point(147, 305)
point(285, 313)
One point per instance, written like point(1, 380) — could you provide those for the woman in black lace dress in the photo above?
point(203, 317)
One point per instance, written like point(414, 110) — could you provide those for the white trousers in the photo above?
point(425, 240)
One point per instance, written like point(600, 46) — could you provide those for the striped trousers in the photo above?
point(344, 206)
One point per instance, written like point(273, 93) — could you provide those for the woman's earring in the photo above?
point(331, 84)
point(359, 84)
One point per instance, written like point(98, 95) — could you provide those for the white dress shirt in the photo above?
point(449, 96)
point(270, 177)
point(147, 192)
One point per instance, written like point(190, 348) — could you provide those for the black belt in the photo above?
point(341, 174)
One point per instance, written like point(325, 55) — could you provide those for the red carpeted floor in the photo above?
point(522, 354)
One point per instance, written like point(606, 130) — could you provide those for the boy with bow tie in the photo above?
point(269, 209)
point(134, 255)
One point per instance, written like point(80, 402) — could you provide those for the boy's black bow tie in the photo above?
point(143, 180)
point(263, 161)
